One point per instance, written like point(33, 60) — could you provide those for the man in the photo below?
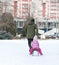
point(31, 30)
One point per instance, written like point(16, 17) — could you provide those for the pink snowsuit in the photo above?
point(35, 46)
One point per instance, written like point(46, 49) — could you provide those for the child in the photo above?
point(35, 46)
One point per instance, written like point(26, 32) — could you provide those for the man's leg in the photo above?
point(29, 42)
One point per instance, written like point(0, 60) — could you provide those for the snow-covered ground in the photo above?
point(16, 52)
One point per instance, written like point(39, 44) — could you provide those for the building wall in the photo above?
point(8, 6)
point(36, 9)
point(52, 9)
point(15, 8)
point(40, 10)
point(1, 8)
point(23, 8)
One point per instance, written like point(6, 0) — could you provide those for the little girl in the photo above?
point(35, 46)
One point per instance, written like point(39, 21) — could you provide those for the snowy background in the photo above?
point(16, 52)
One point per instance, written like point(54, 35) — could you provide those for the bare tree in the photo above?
point(9, 23)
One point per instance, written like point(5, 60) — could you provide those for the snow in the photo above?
point(16, 52)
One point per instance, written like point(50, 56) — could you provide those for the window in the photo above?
point(20, 23)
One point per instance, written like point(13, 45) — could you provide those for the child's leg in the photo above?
point(31, 50)
point(39, 50)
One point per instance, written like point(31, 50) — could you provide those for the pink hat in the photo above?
point(35, 37)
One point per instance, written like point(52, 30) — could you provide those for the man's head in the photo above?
point(32, 20)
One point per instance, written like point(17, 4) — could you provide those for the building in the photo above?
point(51, 9)
point(36, 9)
point(50, 15)
point(1, 8)
point(21, 8)
point(45, 12)
point(40, 9)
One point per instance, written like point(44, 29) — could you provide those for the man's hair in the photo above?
point(32, 20)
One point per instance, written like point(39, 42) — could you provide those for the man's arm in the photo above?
point(36, 29)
